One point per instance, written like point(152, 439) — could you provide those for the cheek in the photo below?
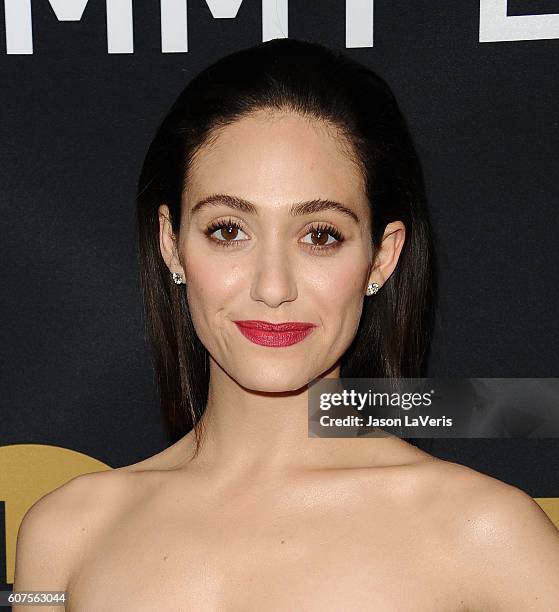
point(208, 271)
point(210, 285)
point(339, 296)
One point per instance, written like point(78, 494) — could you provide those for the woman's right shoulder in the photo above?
point(69, 502)
point(56, 529)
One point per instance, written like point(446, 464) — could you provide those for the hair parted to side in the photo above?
point(308, 78)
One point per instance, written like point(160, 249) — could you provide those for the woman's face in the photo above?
point(260, 264)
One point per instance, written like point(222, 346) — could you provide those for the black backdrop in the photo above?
point(75, 124)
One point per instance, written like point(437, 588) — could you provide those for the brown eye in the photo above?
point(229, 232)
point(321, 237)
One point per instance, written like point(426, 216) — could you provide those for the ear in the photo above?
point(388, 254)
point(167, 241)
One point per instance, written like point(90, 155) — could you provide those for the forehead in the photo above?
point(275, 157)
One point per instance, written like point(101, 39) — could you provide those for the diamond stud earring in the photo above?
point(177, 277)
point(372, 288)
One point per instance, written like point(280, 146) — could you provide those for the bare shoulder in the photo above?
point(501, 538)
point(61, 528)
point(485, 507)
point(56, 528)
point(488, 504)
point(167, 459)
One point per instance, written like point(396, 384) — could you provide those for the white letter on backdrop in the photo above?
point(19, 32)
point(359, 23)
point(495, 25)
point(174, 20)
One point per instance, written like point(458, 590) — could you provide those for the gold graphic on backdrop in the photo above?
point(27, 473)
point(550, 505)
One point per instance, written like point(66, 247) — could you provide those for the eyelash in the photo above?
point(320, 227)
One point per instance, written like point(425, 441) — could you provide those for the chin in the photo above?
point(274, 379)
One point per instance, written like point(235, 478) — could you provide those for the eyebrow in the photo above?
point(295, 210)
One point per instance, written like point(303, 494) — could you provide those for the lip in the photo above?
point(275, 334)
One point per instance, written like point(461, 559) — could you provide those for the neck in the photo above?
point(259, 433)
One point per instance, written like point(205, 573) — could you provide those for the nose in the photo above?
point(274, 279)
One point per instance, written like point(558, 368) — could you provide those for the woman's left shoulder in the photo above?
point(500, 532)
point(486, 498)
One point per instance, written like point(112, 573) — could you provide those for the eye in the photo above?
point(229, 231)
point(321, 233)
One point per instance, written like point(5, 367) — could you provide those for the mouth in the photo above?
point(275, 334)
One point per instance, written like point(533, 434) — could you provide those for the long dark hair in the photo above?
point(308, 78)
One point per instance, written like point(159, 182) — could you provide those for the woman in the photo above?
point(283, 187)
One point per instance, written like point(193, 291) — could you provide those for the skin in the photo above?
point(265, 518)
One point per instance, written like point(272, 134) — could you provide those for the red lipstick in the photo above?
point(274, 334)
